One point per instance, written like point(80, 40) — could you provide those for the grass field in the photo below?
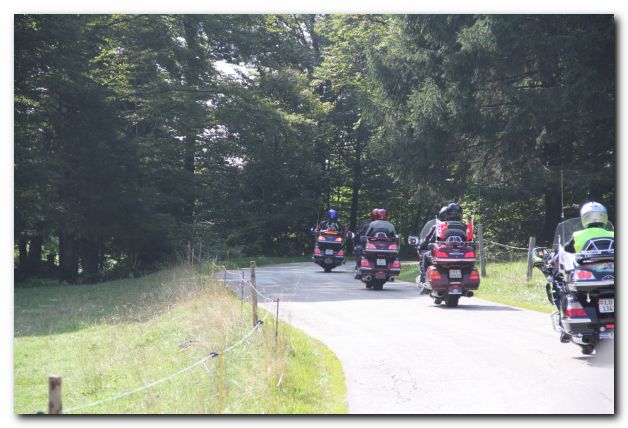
point(110, 338)
point(504, 283)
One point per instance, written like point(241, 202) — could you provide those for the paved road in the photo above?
point(401, 354)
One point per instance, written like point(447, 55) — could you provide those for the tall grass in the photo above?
point(110, 338)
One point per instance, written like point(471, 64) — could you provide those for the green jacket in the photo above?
point(582, 236)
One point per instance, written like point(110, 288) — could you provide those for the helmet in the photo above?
point(442, 214)
point(454, 212)
point(332, 214)
point(375, 214)
point(593, 214)
point(383, 214)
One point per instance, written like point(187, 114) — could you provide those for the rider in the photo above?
point(375, 215)
point(429, 238)
point(594, 219)
point(381, 225)
point(330, 223)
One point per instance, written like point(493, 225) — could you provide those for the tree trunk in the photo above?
point(90, 250)
point(33, 259)
point(22, 253)
point(68, 257)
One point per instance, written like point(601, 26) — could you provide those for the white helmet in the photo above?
point(593, 213)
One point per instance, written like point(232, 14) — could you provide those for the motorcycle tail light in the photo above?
point(341, 253)
point(371, 246)
point(441, 254)
point(392, 247)
point(339, 239)
point(609, 325)
point(317, 251)
point(469, 254)
point(321, 238)
point(575, 310)
point(434, 274)
point(582, 274)
point(364, 262)
point(475, 275)
point(396, 265)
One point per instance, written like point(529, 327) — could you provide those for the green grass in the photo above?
point(110, 338)
point(505, 283)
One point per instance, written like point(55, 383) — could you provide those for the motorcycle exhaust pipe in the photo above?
point(391, 278)
point(440, 293)
point(468, 293)
point(368, 278)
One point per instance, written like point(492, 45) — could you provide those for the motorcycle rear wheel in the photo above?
point(451, 301)
point(378, 284)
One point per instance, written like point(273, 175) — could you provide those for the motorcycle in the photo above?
point(452, 272)
point(328, 249)
point(379, 262)
point(581, 286)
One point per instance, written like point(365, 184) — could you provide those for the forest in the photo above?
point(137, 137)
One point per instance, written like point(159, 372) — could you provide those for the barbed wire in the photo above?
point(213, 354)
point(171, 376)
point(506, 246)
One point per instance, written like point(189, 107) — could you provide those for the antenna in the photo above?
point(562, 207)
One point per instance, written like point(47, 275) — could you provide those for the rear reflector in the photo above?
point(576, 311)
point(341, 253)
point(396, 264)
point(364, 262)
point(474, 275)
point(317, 251)
point(609, 325)
point(370, 246)
point(583, 274)
point(469, 254)
point(392, 247)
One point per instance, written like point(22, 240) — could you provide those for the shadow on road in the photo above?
point(463, 307)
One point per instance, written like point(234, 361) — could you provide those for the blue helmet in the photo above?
point(332, 214)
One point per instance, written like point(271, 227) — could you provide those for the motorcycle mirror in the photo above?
point(413, 240)
point(539, 256)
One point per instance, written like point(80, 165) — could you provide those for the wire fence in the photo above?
point(498, 252)
point(240, 279)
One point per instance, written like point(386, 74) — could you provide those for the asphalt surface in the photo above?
point(401, 354)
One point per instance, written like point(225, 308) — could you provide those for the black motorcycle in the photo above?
point(581, 286)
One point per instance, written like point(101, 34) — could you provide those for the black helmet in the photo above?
point(442, 214)
point(454, 212)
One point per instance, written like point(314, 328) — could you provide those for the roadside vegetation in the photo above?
point(114, 337)
point(505, 283)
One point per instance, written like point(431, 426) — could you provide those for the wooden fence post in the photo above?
point(531, 245)
point(54, 395)
point(482, 258)
point(277, 322)
point(254, 293)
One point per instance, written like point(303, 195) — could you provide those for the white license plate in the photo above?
point(329, 252)
point(455, 273)
point(381, 262)
point(606, 305)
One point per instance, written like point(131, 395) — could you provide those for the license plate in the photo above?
point(381, 262)
point(455, 290)
point(455, 273)
point(329, 252)
point(606, 305)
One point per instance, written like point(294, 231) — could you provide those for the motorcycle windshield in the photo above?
point(566, 229)
point(426, 228)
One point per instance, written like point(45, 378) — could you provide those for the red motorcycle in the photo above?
point(379, 262)
point(452, 272)
point(328, 249)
